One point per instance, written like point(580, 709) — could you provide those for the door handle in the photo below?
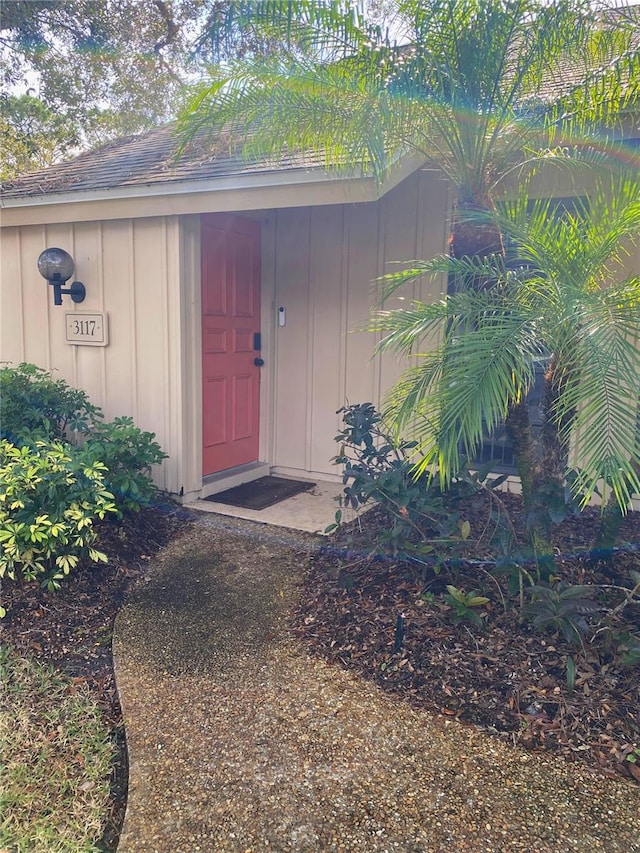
point(258, 362)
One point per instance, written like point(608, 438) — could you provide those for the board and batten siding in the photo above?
point(131, 270)
point(324, 264)
point(318, 263)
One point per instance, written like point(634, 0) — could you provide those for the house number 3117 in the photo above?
point(86, 329)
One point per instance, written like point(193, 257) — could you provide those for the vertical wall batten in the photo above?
point(133, 317)
point(74, 350)
point(189, 473)
point(101, 280)
point(168, 432)
point(268, 324)
point(325, 343)
point(309, 390)
point(273, 450)
point(174, 469)
point(381, 210)
point(344, 266)
point(87, 361)
point(47, 315)
point(400, 238)
point(16, 284)
point(292, 288)
point(173, 435)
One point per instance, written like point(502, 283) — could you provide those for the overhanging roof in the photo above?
point(146, 160)
point(141, 176)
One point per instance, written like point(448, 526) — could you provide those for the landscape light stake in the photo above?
point(399, 632)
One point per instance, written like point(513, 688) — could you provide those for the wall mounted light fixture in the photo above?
point(57, 266)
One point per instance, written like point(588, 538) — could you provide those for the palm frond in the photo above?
point(468, 84)
point(466, 385)
point(604, 391)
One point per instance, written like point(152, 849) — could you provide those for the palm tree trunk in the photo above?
point(474, 239)
point(471, 238)
point(518, 426)
point(534, 486)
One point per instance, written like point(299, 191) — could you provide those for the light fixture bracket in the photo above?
point(56, 266)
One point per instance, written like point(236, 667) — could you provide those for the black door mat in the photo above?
point(259, 494)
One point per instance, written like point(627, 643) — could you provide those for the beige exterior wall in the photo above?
point(131, 270)
point(318, 263)
point(325, 261)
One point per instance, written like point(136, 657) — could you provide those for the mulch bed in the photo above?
point(72, 630)
point(504, 676)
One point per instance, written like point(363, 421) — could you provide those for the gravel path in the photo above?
point(238, 741)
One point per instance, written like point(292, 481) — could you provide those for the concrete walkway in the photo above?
point(238, 741)
point(310, 511)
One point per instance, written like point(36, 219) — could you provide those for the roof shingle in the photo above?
point(142, 160)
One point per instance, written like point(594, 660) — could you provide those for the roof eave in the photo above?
point(251, 191)
point(253, 180)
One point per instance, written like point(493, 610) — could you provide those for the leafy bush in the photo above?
point(35, 405)
point(128, 454)
point(562, 608)
point(50, 496)
point(379, 468)
point(61, 468)
point(464, 605)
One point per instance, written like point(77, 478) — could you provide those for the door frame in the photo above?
point(227, 404)
point(189, 422)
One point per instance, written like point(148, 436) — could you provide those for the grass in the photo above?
point(55, 760)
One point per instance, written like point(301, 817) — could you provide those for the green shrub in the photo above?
point(128, 454)
point(464, 605)
point(50, 496)
point(563, 608)
point(35, 405)
point(379, 468)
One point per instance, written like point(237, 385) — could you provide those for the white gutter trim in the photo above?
point(168, 188)
point(253, 180)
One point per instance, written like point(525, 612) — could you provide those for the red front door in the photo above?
point(230, 324)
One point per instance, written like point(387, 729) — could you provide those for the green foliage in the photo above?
point(50, 497)
point(465, 96)
point(633, 757)
point(559, 303)
point(134, 59)
point(484, 91)
point(628, 648)
point(571, 674)
point(61, 468)
point(379, 468)
point(127, 453)
point(562, 608)
point(33, 135)
point(36, 405)
point(464, 604)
